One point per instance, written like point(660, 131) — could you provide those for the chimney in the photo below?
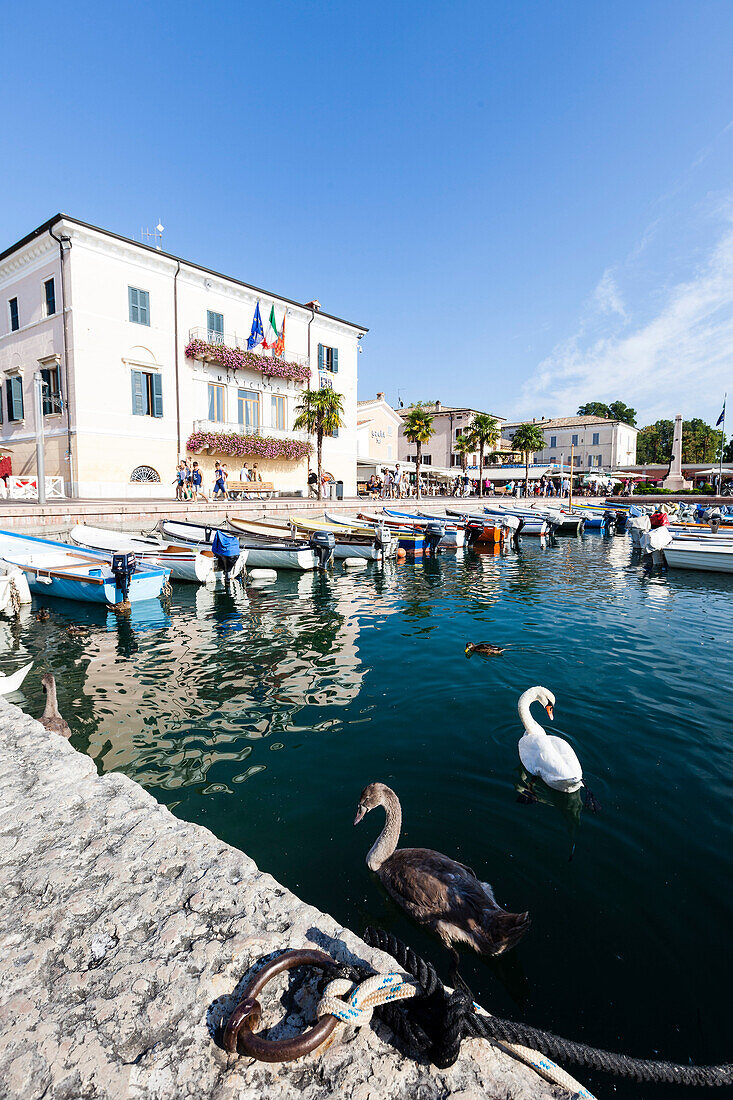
point(380, 397)
point(534, 419)
point(437, 406)
point(315, 305)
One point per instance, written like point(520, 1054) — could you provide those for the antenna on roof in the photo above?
point(154, 236)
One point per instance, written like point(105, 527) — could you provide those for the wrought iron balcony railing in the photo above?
point(239, 341)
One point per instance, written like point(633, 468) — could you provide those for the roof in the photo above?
point(448, 409)
point(567, 422)
point(168, 255)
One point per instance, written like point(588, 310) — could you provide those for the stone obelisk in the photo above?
point(674, 479)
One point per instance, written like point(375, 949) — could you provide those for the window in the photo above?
point(139, 302)
point(389, 452)
point(14, 318)
point(145, 474)
point(575, 441)
point(328, 358)
point(576, 460)
point(552, 458)
point(215, 327)
point(217, 403)
point(147, 393)
point(50, 292)
point(459, 433)
point(599, 460)
point(427, 460)
point(14, 392)
point(248, 410)
point(553, 441)
point(389, 431)
point(596, 438)
point(278, 412)
point(51, 391)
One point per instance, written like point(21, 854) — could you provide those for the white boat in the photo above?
point(260, 553)
point(454, 534)
point(185, 562)
point(533, 524)
point(709, 556)
point(55, 569)
point(14, 590)
point(353, 538)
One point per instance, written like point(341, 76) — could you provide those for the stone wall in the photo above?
point(124, 933)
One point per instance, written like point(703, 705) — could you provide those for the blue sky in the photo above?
point(529, 204)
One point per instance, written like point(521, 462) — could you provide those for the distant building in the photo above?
point(142, 352)
point(377, 431)
point(450, 422)
point(596, 443)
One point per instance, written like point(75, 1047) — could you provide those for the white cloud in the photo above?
point(679, 359)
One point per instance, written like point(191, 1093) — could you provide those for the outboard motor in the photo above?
point(609, 519)
point(323, 543)
point(226, 551)
point(715, 520)
point(621, 520)
point(473, 530)
point(517, 533)
point(382, 538)
point(433, 534)
point(123, 567)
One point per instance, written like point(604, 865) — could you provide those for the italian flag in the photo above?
point(279, 346)
point(271, 333)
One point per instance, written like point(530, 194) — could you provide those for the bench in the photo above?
point(243, 490)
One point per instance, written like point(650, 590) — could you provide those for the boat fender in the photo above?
point(355, 563)
point(323, 543)
point(262, 574)
point(123, 568)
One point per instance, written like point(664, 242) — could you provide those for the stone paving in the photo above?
point(124, 933)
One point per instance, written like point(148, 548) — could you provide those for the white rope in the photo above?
point(380, 989)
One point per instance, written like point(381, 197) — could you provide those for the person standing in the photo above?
point(180, 480)
point(397, 481)
point(244, 473)
point(387, 484)
point(197, 482)
point(220, 477)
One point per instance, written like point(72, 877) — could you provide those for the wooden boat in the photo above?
point(258, 552)
point(454, 535)
point(412, 542)
point(345, 545)
point(498, 526)
point(353, 539)
point(185, 562)
point(56, 569)
point(706, 555)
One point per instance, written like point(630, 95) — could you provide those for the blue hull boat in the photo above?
point(70, 573)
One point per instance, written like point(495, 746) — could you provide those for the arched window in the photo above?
point(144, 473)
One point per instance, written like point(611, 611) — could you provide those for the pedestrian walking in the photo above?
point(220, 478)
point(197, 482)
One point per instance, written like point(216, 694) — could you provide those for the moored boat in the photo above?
point(258, 552)
point(454, 535)
point(184, 562)
point(56, 569)
point(708, 556)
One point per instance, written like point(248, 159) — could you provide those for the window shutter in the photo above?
point(15, 399)
point(132, 302)
point(320, 356)
point(335, 360)
point(157, 395)
point(144, 298)
point(9, 396)
point(138, 408)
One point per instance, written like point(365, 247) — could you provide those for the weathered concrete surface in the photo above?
point(123, 934)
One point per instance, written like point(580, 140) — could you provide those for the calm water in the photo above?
point(261, 713)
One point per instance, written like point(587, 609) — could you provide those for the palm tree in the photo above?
point(528, 438)
point(319, 414)
point(464, 445)
point(417, 426)
point(483, 432)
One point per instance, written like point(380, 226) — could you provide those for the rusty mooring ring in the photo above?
point(239, 1032)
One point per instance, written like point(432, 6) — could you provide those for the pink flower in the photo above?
point(234, 359)
point(236, 445)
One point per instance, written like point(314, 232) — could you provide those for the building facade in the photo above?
point(144, 359)
point(377, 427)
point(450, 423)
point(596, 443)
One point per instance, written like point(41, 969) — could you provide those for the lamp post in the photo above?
point(38, 385)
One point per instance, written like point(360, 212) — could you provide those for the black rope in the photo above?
point(437, 1022)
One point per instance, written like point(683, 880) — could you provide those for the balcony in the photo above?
point(263, 431)
point(239, 342)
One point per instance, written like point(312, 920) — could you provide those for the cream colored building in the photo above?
point(377, 431)
point(450, 422)
point(596, 443)
point(142, 352)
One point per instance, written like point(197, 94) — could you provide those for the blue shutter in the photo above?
point(15, 399)
point(132, 302)
point(138, 407)
point(157, 395)
point(9, 396)
point(335, 360)
point(144, 300)
point(320, 356)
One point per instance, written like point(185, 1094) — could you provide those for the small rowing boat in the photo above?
point(56, 569)
point(259, 552)
point(184, 562)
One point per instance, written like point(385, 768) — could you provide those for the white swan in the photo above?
point(12, 683)
point(542, 754)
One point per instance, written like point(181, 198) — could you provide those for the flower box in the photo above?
point(235, 359)
point(243, 446)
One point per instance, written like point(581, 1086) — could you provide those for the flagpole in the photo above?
point(722, 445)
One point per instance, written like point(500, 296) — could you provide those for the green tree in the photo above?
point(617, 410)
point(483, 431)
point(319, 414)
point(700, 442)
point(528, 438)
point(464, 445)
point(728, 452)
point(417, 426)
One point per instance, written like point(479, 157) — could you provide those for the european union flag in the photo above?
point(257, 334)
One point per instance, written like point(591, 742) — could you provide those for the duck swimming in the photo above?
point(544, 755)
point(76, 631)
point(487, 648)
point(435, 890)
point(43, 614)
point(51, 718)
